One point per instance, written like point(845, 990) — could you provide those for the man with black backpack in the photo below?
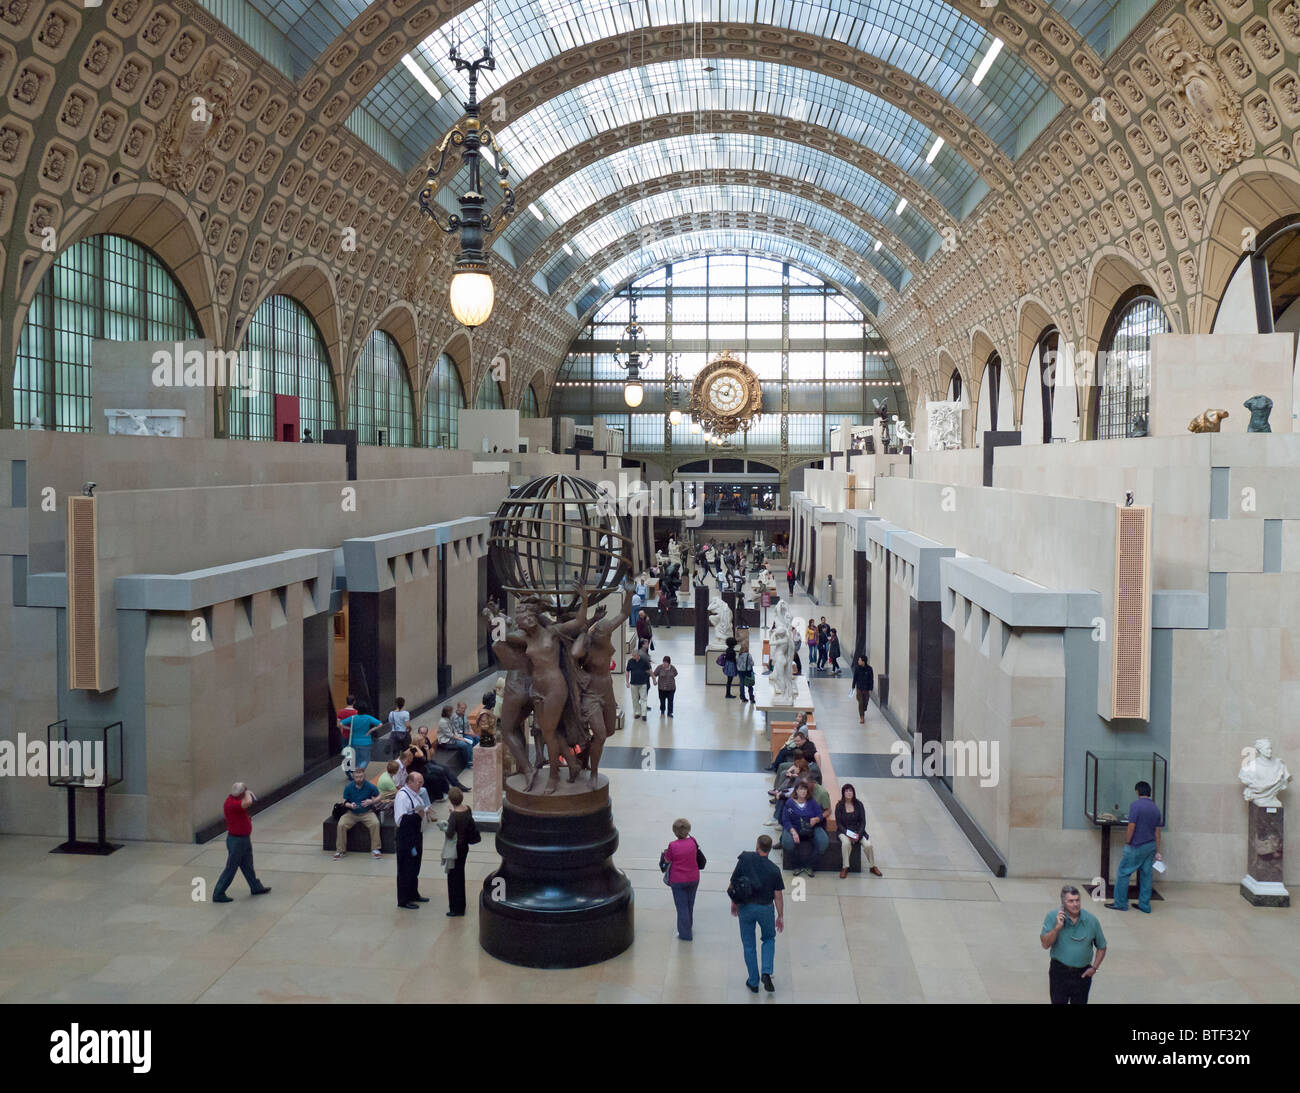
point(755, 893)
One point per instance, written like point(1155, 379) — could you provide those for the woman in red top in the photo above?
point(683, 860)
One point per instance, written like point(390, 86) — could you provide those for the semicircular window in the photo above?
point(1124, 366)
point(379, 402)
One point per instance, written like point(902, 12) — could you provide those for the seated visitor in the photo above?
point(798, 771)
point(358, 798)
point(460, 724)
point(437, 777)
point(851, 827)
point(797, 746)
point(448, 738)
point(803, 834)
point(388, 780)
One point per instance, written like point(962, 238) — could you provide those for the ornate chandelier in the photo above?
point(472, 293)
point(726, 396)
point(638, 356)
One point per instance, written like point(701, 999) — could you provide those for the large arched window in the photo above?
point(379, 406)
point(489, 395)
point(986, 414)
point(1123, 363)
point(954, 386)
point(799, 333)
point(1036, 412)
point(291, 360)
point(528, 404)
point(106, 286)
point(444, 399)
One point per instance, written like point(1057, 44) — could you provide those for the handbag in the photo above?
point(805, 831)
point(665, 867)
point(339, 811)
point(700, 860)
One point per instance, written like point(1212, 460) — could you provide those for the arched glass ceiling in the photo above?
point(722, 151)
point(726, 241)
point(627, 219)
point(626, 98)
point(927, 39)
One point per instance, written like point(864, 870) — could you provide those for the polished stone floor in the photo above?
point(938, 927)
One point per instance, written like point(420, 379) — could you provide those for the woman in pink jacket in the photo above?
point(682, 862)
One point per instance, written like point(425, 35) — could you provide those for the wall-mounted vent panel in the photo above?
point(1130, 679)
point(83, 595)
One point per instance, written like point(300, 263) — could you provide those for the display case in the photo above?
point(84, 757)
point(1109, 779)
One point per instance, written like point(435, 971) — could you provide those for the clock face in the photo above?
point(726, 394)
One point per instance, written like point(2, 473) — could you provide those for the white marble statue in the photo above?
point(944, 425)
point(780, 644)
point(674, 551)
point(661, 560)
point(1262, 774)
point(904, 435)
point(720, 620)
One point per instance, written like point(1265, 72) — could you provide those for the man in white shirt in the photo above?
point(399, 723)
point(410, 810)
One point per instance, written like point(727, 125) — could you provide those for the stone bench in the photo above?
point(830, 857)
point(359, 837)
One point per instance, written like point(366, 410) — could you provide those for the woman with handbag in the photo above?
point(681, 864)
point(729, 665)
point(803, 835)
point(461, 833)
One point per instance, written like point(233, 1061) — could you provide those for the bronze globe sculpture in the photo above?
point(555, 535)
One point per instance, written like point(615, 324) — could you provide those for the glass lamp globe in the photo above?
point(633, 393)
point(472, 297)
point(675, 417)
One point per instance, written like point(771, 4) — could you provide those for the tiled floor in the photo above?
point(936, 928)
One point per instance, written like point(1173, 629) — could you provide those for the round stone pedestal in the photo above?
point(557, 900)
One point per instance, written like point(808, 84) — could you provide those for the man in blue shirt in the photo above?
point(1141, 850)
point(1071, 934)
point(359, 797)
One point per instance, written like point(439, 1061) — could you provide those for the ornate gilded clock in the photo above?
point(726, 396)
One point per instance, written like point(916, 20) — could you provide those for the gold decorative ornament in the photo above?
point(726, 396)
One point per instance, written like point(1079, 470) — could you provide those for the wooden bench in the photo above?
point(830, 858)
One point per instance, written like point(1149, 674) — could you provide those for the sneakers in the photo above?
point(376, 853)
point(227, 899)
point(338, 854)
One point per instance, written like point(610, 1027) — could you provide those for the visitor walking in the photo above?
point(851, 827)
point(1141, 850)
point(239, 844)
point(1070, 934)
point(823, 642)
point(745, 674)
point(729, 665)
point(665, 679)
point(789, 580)
point(462, 833)
point(864, 679)
point(756, 900)
point(399, 724)
point(681, 863)
point(833, 651)
point(361, 730)
point(644, 631)
point(638, 678)
point(410, 811)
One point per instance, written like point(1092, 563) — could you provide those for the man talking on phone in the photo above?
point(1071, 934)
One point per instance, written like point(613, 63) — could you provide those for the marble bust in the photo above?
point(1263, 775)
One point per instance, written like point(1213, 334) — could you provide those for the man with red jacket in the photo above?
point(239, 844)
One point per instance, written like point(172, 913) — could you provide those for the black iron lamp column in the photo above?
point(633, 392)
point(472, 293)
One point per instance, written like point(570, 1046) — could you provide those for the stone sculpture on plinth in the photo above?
point(1260, 406)
point(557, 900)
point(1263, 776)
point(944, 426)
point(780, 646)
point(720, 618)
point(1207, 421)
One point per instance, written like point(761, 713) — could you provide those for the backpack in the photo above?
point(349, 761)
point(742, 888)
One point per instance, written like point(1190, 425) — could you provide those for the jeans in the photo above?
point(666, 702)
point(684, 898)
point(466, 750)
point(638, 698)
point(1139, 859)
point(804, 853)
point(762, 915)
point(239, 856)
point(362, 758)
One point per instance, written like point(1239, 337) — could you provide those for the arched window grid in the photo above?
point(443, 401)
point(379, 404)
point(1124, 364)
